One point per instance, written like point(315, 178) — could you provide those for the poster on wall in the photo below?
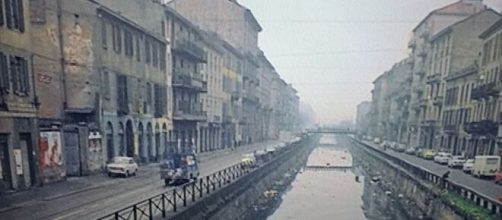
point(50, 149)
point(95, 151)
point(19, 161)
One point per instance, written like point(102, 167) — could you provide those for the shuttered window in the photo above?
point(4, 74)
point(14, 14)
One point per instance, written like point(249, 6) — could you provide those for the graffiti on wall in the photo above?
point(95, 151)
point(50, 149)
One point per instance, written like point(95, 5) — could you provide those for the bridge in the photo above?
point(325, 130)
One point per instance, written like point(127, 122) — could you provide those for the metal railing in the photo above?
point(181, 196)
point(492, 205)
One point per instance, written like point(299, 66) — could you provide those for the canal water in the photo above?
point(331, 186)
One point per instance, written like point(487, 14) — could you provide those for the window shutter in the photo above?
point(4, 73)
point(8, 13)
point(25, 74)
point(1, 13)
point(20, 15)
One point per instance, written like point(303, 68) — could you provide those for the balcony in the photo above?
point(423, 102)
point(181, 79)
point(186, 111)
point(483, 127)
point(412, 44)
point(190, 50)
point(419, 89)
point(485, 91)
point(236, 95)
point(422, 52)
point(434, 78)
point(438, 100)
point(452, 129)
point(250, 96)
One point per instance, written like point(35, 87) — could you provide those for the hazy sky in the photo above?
point(331, 50)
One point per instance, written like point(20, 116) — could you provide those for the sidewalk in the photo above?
point(74, 185)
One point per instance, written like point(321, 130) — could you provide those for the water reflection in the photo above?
point(333, 186)
point(333, 192)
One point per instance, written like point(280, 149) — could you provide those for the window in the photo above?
point(128, 44)
point(160, 100)
point(163, 58)
point(103, 34)
point(4, 74)
point(106, 82)
point(1, 14)
point(155, 55)
point(163, 27)
point(14, 15)
point(148, 55)
point(122, 98)
point(117, 38)
point(19, 75)
point(149, 94)
point(138, 53)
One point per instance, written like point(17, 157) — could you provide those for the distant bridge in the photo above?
point(332, 131)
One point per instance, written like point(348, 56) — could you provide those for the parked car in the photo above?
point(442, 157)
point(467, 166)
point(418, 152)
point(498, 178)
point(410, 151)
point(456, 161)
point(428, 154)
point(124, 166)
point(486, 166)
point(400, 148)
point(377, 141)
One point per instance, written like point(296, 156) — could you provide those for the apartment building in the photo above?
point(452, 50)
point(432, 24)
point(18, 99)
point(362, 117)
point(188, 58)
point(484, 122)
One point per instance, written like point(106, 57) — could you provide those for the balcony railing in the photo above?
point(250, 96)
point(451, 128)
point(483, 127)
point(485, 91)
point(438, 100)
point(434, 78)
point(189, 112)
point(190, 49)
point(189, 81)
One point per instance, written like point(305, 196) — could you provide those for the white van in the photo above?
point(486, 166)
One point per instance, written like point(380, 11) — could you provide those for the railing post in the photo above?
point(116, 215)
point(193, 191)
point(174, 200)
point(201, 189)
point(163, 197)
point(135, 214)
point(184, 195)
point(212, 182)
point(150, 212)
point(207, 184)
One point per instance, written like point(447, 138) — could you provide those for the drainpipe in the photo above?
point(61, 50)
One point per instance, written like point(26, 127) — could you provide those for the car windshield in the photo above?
point(121, 160)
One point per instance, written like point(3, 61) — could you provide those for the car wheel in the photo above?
point(126, 174)
point(110, 174)
point(166, 182)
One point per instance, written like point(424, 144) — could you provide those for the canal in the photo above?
point(332, 185)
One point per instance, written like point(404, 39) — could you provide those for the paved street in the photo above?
point(482, 186)
point(95, 196)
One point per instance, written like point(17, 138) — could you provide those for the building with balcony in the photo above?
point(486, 95)
point(453, 50)
point(430, 26)
point(189, 58)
